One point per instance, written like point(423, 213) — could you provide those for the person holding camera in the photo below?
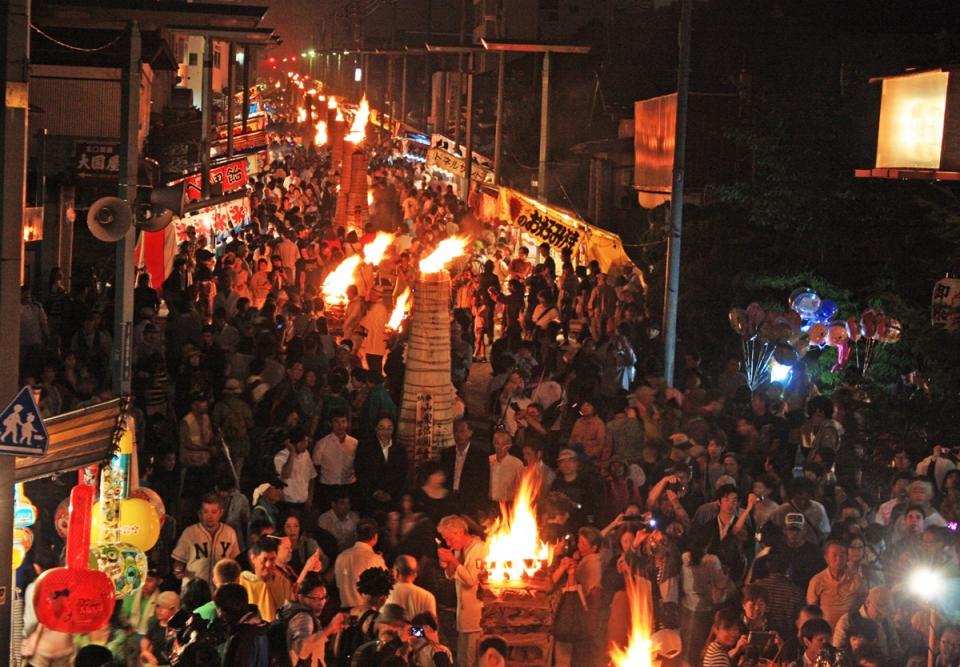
point(425, 647)
point(306, 636)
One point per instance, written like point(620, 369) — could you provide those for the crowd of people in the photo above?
point(297, 532)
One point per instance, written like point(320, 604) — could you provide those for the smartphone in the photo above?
point(798, 472)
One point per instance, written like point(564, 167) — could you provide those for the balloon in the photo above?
point(843, 356)
point(124, 564)
point(802, 346)
point(61, 518)
point(805, 302)
point(868, 322)
point(75, 599)
point(853, 329)
point(881, 327)
point(782, 331)
point(22, 541)
point(794, 319)
point(827, 310)
point(756, 315)
point(837, 334)
point(738, 321)
point(894, 331)
point(139, 523)
point(785, 355)
point(152, 497)
point(817, 333)
point(767, 333)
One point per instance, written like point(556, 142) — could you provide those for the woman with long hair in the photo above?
point(705, 588)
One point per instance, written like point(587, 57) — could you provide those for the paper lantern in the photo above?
point(139, 524)
point(75, 599)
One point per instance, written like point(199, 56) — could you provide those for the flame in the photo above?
point(400, 310)
point(373, 252)
point(340, 118)
point(321, 137)
point(446, 250)
point(301, 115)
point(359, 128)
point(335, 285)
point(514, 545)
point(276, 85)
point(369, 197)
point(639, 646)
point(332, 103)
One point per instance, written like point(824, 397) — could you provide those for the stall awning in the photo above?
point(77, 439)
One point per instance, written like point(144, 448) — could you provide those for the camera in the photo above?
point(417, 631)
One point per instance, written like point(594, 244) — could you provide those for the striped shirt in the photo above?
point(784, 602)
point(716, 656)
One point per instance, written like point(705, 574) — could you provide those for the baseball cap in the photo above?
point(681, 441)
point(566, 454)
point(794, 521)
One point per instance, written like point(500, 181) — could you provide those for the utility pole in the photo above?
point(231, 84)
point(403, 90)
point(127, 190)
point(672, 295)
point(15, 42)
point(544, 128)
point(468, 158)
point(546, 50)
point(498, 126)
point(205, 104)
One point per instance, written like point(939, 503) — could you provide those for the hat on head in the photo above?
point(168, 600)
point(794, 521)
point(276, 483)
point(566, 454)
point(724, 480)
point(391, 613)
point(232, 386)
point(681, 441)
point(665, 643)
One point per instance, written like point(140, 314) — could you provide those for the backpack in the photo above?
point(354, 636)
point(277, 634)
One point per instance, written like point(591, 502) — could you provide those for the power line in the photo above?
point(71, 46)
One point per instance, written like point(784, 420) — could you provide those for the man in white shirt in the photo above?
point(333, 455)
point(352, 562)
point(533, 458)
point(414, 599)
point(340, 522)
point(464, 570)
point(505, 470)
point(203, 544)
point(295, 467)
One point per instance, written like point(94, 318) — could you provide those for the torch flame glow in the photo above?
point(332, 103)
point(359, 128)
point(639, 646)
point(340, 118)
point(369, 197)
point(321, 137)
point(301, 115)
point(373, 252)
point(446, 251)
point(514, 547)
point(399, 311)
point(335, 285)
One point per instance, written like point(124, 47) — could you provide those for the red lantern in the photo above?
point(75, 599)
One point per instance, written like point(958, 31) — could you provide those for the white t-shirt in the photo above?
point(298, 483)
point(504, 477)
point(414, 599)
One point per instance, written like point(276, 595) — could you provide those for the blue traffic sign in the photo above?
point(22, 432)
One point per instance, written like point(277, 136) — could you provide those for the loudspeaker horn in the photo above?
point(155, 221)
point(172, 197)
point(109, 219)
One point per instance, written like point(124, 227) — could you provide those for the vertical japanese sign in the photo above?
point(945, 305)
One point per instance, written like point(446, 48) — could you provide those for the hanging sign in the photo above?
point(945, 306)
point(218, 219)
point(441, 159)
point(231, 175)
point(21, 427)
point(539, 221)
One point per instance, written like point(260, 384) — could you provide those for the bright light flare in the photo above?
point(358, 129)
point(321, 137)
point(514, 545)
point(400, 310)
point(369, 197)
point(340, 118)
point(276, 85)
point(639, 645)
point(374, 251)
point(301, 115)
point(926, 583)
point(447, 250)
point(779, 372)
point(335, 285)
point(332, 103)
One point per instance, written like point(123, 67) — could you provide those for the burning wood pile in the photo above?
point(637, 652)
point(352, 204)
point(354, 270)
point(518, 604)
point(426, 409)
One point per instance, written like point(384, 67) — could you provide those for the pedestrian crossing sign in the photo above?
point(22, 432)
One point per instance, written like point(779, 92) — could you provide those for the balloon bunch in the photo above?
point(24, 516)
point(766, 336)
point(123, 528)
point(75, 599)
point(823, 327)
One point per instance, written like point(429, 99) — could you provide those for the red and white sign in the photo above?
point(232, 175)
point(217, 219)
